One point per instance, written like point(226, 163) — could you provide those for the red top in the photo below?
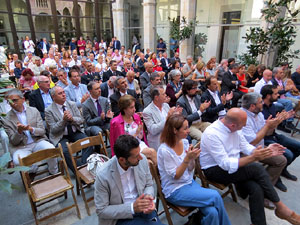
point(243, 80)
point(82, 43)
point(156, 67)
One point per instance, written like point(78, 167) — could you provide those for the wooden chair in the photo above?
point(48, 188)
point(83, 177)
point(205, 182)
point(182, 211)
point(297, 117)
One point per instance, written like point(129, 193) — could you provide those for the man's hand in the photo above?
point(262, 153)
point(109, 114)
point(141, 204)
point(85, 97)
point(229, 96)
point(277, 149)
point(204, 106)
point(167, 100)
point(67, 116)
point(102, 115)
point(272, 123)
point(223, 99)
point(22, 127)
point(151, 204)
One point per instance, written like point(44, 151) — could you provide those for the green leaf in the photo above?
point(16, 169)
point(4, 159)
point(5, 186)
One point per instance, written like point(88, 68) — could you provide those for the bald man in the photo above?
point(221, 145)
point(145, 77)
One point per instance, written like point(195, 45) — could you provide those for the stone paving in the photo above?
point(15, 208)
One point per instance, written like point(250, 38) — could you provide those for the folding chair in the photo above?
point(205, 182)
point(182, 211)
point(48, 188)
point(83, 177)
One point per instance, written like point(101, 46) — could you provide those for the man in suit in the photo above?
point(112, 71)
point(155, 115)
point(154, 80)
point(218, 102)
point(44, 46)
point(122, 89)
point(145, 77)
point(116, 44)
point(107, 88)
point(65, 121)
point(89, 75)
point(192, 108)
point(123, 188)
point(141, 62)
point(230, 83)
point(176, 58)
point(76, 91)
point(25, 129)
point(41, 98)
point(166, 65)
point(95, 110)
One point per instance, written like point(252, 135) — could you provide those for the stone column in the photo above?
point(119, 21)
point(149, 24)
point(187, 10)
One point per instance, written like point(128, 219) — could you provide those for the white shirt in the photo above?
point(194, 109)
point(258, 86)
point(221, 147)
point(49, 62)
point(60, 108)
point(73, 63)
point(122, 94)
point(217, 101)
point(23, 120)
point(129, 185)
point(110, 92)
point(163, 113)
point(29, 46)
point(168, 161)
point(255, 122)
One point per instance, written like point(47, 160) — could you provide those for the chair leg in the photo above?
point(84, 198)
point(77, 188)
point(233, 195)
point(76, 205)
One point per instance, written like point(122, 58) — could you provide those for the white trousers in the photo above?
point(4, 140)
point(34, 147)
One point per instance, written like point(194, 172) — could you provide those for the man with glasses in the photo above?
point(41, 98)
point(192, 108)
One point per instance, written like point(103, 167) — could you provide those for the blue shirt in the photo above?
point(46, 98)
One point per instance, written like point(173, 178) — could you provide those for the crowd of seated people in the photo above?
point(158, 106)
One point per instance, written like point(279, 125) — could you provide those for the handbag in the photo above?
point(95, 162)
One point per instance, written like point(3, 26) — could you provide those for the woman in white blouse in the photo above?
point(176, 162)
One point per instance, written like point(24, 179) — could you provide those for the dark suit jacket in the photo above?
point(296, 79)
point(140, 65)
point(104, 89)
point(211, 114)
point(227, 85)
point(36, 100)
point(145, 80)
point(114, 99)
point(117, 45)
point(274, 82)
point(164, 64)
point(187, 110)
point(108, 74)
point(40, 46)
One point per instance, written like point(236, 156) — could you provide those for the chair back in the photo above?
point(200, 174)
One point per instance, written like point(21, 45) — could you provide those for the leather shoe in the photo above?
point(289, 176)
point(268, 204)
point(294, 218)
point(281, 186)
point(284, 129)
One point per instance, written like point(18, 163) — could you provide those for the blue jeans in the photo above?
point(207, 200)
point(287, 105)
point(141, 219)
point(292, 150)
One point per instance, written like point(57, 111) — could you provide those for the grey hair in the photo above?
point(113, 79)
point(155, 91)
point(53, 90)
point(116, 82)
point(250, 99)
point(14, 91)
point(153, 76)
point(275, 70)
point(173, 73)
point(223, 61)
point(36, 58)
point(39, 78)
point(189, 57)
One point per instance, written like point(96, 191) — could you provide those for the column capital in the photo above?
point(149, 3)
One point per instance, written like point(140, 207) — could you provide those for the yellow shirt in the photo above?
point(36, 86)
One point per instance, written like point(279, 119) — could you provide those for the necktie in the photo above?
point(99, 109)
point(69, 126)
